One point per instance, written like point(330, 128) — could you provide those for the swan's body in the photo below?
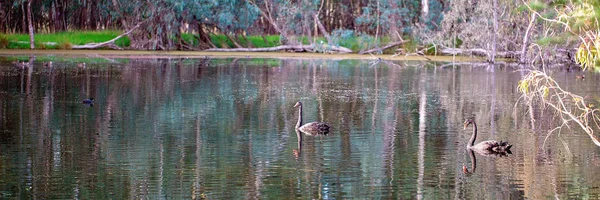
point(485, 147)
point(311, 128)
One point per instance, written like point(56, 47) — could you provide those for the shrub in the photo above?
point(40, 46)
point(3, 41)
point(64, 45)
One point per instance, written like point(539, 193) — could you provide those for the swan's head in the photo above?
point(298, 104)
point(467, 122)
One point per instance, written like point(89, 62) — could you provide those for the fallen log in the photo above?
point(111, 43)
point(44, 43)
point(390, 45)
point(295, 48)
point(478, 52)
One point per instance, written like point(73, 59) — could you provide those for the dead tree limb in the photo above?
point(110, 43)
point(322, 29)
point(478, 52)
point(390, 45)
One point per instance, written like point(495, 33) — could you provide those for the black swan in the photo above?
point(311, 128)
point(486, 147)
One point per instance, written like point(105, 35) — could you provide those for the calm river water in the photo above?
point(224, 129)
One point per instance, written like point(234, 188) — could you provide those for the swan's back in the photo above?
point(492, 145)
point(315, 128)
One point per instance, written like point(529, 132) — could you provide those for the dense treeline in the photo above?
point(489, 28)
point(232, 15)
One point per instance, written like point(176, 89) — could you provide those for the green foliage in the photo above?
point(222, 41)
point(457, 42)
point(430, 49)
point(534, 5)
point(436, 14)
point(342, 37)
point(588, 53)
point(582, 17)
point(557, 40)
point(389, 13)
point(411, 46)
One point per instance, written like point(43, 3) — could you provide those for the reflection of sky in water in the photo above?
point(211, 129)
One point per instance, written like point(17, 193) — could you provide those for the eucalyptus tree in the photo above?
point(163, 21)
point(390, 18)
point(54, 15)
point(30, 25)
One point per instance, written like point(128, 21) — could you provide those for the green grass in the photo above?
point(557, 40)
point(64, 39)
point(222, 42)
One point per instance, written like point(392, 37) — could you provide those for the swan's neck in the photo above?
point(299, 117)
point(474, 136)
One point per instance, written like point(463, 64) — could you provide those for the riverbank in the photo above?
point(203, 54)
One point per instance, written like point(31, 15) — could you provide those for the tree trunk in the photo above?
point(30, 25)
point(53, 17)
point(377, 29)
point(237, 45)
point(526, 39)
point(83, 16)
point(204, 37)
point(122, 18)
point(394, 34)
point(495, 34)
point(272, 22)
point(424, 9)
point(248, 42)
point(322, 29)
point(2, 21)
point(94, 19)
point(23, 19)
point(64, 16)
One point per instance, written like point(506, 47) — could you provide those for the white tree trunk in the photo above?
point(424, 9)
point(495, 34)
point(526, 39)
point(30, 24)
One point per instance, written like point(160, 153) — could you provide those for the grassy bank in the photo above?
point(65, 40)
point(61, 40)
point(115, 54)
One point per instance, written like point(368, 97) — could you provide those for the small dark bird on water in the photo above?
point(89, 101)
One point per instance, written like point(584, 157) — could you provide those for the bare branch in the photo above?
point(568, 106)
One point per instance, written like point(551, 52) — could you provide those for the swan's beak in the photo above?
point(465, 126)
point(297, 104)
